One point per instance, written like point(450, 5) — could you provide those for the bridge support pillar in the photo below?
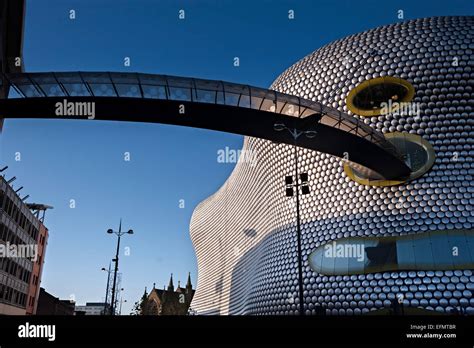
point(11, 42)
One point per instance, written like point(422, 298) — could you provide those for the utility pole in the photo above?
point(298, 224)
point(107, 288)
point(295, 133)
point(119, 233)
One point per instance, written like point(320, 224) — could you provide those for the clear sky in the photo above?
point(84, 160)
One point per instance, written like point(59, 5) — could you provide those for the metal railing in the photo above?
point(150, 86)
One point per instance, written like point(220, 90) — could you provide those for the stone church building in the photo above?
point(168, 301)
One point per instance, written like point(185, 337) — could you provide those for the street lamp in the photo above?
point(296, 133)
point(119, 233)
point(121, 301)
point(119, 293)
point(107, 288)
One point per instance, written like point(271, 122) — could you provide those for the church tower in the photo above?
point(189, 286)
point(170, 285)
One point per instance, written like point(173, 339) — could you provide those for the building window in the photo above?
point(417, 153)
point(435, 250)
point(370, 97)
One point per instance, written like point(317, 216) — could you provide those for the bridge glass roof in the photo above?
point(138, 85)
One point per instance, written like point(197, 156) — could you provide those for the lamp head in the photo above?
point(130, 232)
point(310, 134)
point(110, 230)
point(279, 127)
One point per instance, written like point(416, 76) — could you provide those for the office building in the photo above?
point(23, 239)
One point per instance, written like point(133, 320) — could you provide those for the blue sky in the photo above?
point(84, 161)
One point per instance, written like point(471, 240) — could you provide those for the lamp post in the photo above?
point(119, 234)
point(119, 294)
point(107, 288)
point(121, 301)
point(296, 133)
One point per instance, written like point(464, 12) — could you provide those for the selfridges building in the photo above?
point(365, 243)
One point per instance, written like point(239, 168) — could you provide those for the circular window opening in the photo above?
point(372, 96)
point(417, 152)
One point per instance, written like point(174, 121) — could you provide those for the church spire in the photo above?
point(145, 295)
point(188, 284)
point(170, 285)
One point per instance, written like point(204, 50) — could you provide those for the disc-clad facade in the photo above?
point(245, 234)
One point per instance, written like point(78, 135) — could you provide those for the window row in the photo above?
point(9, 295)
point(14, 212)
point(435, 250)
point(11, 267)
point(7, 235)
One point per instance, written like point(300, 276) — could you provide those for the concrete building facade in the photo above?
point(20, 274)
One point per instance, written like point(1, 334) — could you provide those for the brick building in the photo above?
point(21, 228)
point(51, 305)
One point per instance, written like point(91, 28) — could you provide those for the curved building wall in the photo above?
point(245, 234)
